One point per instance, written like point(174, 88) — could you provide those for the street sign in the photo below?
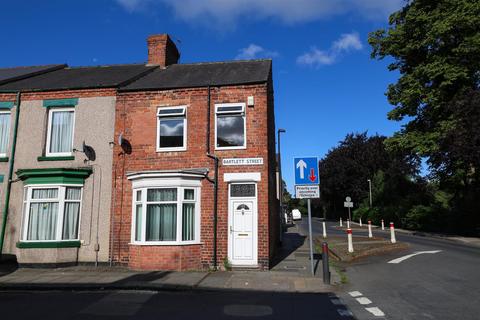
point(306, 170)
point(307, 192)
point(348, 203)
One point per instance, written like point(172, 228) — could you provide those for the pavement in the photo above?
point(291, 273)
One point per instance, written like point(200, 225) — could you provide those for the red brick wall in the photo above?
point(165, 257)
point(136, 119)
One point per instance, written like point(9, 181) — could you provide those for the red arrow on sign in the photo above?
point(312, 177)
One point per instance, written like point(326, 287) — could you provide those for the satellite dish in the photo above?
point(89, 152)
point(120, 139)
point(124, 144)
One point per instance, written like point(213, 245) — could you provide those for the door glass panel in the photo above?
point(242, 190)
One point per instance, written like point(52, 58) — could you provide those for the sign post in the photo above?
point(348, 204)
point(307, 187)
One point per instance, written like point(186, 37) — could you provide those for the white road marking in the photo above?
point(355, 294)
point(408, 256)
point(336, 301)
point(364, 300)
point(375, 311)
point(345, 313)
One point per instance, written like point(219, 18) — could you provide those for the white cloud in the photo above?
point(254, 51)
point(316, 58)
point(228, 12)
point(347, 42)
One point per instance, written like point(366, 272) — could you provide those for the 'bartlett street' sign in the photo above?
point(242, 161)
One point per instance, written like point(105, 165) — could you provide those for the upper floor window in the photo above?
point(171, 129)
point(230, 126)
point(4, 132)
point(61, 122)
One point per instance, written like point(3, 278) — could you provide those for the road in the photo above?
point(442, 285)
point(168, 305)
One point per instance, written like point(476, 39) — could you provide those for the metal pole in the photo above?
point(280, 193)
point(326, 265)
point(310, 236)
point(349, 217)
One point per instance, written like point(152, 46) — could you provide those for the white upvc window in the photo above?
point(230, 126)
point(51, 212)
point(166, 216)
point(171, 129)
point(4, 132)
point(61, 124)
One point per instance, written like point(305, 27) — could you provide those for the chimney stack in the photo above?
point(161, 50)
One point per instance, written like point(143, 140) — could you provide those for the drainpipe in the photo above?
point(215, 184)
point(10, 172)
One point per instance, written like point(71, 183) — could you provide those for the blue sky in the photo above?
point(326, 85)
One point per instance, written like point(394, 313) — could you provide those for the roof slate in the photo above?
point(80, 78)
point(204, 74)
point(17, 73)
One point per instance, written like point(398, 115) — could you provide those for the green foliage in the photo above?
point(435, 46)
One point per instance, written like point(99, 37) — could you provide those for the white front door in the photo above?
point(242, 237)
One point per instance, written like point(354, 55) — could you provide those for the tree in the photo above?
point(435, 45)
point(345, 169)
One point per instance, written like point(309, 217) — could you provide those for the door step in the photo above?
point(246, 268)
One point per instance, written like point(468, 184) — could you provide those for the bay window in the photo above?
point(165, 215)
point(60, 131)
point(52, 213)
point(230, 126)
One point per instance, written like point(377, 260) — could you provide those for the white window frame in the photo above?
point(2, 155)
point(49, 132)
point(180, 201)
point(180, 115)
point(244, 112)
point(27, 200)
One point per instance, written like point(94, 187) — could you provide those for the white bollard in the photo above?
point(383, 225)
point(324, 229)
point(341, 222)
point(360, 222)
point(370, 229)
point(392, 233)
point(350, 241)
point(348, 223)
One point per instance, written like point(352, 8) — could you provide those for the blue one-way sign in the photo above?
point(306, 170)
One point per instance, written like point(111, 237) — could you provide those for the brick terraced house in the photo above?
point(183, 175)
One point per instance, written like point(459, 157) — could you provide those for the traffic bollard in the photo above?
point(370, 229)
point(392, 233)
point(324, 229)
point(383, 225)
point(348, 223)
point(350, 240)
point(326, 266)
point(360, 222)
point(341, 222)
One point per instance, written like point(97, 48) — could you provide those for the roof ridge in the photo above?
point(36, 66)
point(109, 65)
point(220, 62)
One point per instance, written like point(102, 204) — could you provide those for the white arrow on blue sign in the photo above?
point(306, 170)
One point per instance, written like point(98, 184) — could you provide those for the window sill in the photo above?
point(162, 244)
point(230, 148)
point(3, 159)
point(48, 244)
point(53, 158)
